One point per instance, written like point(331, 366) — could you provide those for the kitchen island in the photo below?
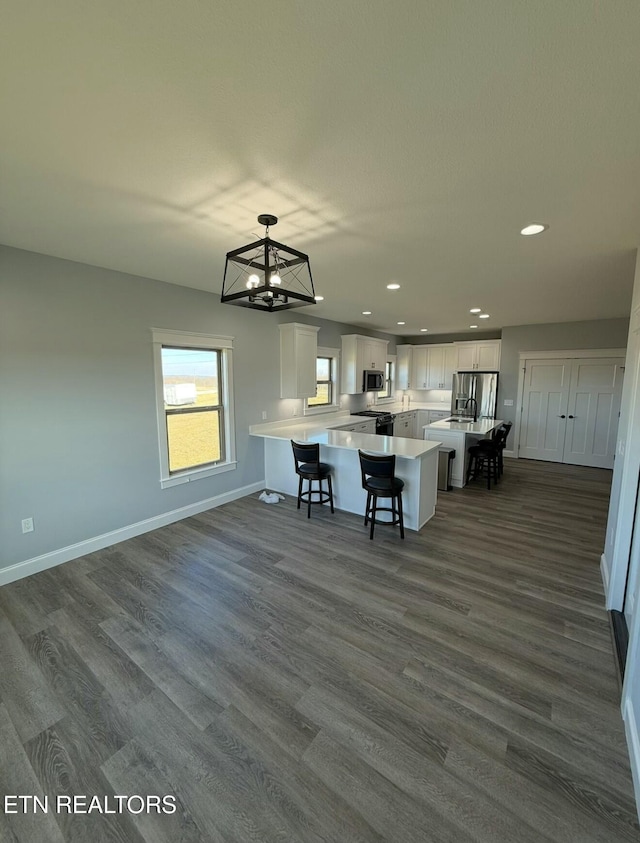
point(416, 464)
point(460, 436)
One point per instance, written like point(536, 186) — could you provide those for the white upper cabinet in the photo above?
point(419, 370)
point(483, 355)
point(433, 366)
point(441, 366)
point(404, 359)
point(298, 353)
point(359, 354)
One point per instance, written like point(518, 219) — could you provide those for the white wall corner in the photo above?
point(74, 551)
point(605, 573)
point(507, 453)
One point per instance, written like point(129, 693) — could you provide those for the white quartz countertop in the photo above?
point(481, 427)
point(321, 430)
point(397, 407)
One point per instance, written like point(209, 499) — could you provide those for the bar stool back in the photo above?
point(306, 456)
point(379, 481)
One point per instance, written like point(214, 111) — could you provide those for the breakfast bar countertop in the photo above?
point(417, 462)
point(478, 428)
point(324, 432)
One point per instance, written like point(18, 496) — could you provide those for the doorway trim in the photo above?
point(567, 354)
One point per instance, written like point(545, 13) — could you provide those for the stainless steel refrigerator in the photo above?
point(480, 386)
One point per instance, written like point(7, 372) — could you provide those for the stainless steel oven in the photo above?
point(384, 421)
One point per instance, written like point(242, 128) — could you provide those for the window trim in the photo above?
point(189, 339)
point(334, 355)
point(390, 399)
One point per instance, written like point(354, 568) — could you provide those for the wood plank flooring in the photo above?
point(290, 680)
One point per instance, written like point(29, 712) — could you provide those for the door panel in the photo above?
point(594, 403)
point(546, 394)
point(587, 393)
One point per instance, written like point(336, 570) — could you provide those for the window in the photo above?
point(387, 392)
point(325, 399)
point(324, 383)
point(193, 385)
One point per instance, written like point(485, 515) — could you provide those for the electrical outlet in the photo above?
point(27, 525)
point(508, 402)
point(264, 415)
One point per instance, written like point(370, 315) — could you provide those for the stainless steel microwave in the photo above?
point(372, 381)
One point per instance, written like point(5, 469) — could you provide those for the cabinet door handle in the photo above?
point(572, 417)
point(562, 417)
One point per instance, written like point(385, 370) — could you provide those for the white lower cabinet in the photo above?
point(405, 425)
point(359, 427)
point(422, 418)
point(457, 442)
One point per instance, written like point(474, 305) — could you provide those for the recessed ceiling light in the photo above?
point(483, 316)
point(473, 326)
point(534, 228)
point(366, 313)
point(319, 298)
point(423, 330)
point(402, 323)
point(475, 310)
point(393, 286)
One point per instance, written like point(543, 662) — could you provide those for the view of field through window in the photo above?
point(323, 386)
point(191, 385)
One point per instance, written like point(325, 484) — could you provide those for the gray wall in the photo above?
point(557, 336)
point(78, 431)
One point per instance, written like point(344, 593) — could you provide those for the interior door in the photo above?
point(592, 413)
point(570, 410)
point(544, 409)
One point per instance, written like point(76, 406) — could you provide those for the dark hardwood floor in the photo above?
point(290, 680)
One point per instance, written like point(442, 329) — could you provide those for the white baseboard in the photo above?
point(604, 573)
point(633, 745)
point(507, 453)
point(74, 551)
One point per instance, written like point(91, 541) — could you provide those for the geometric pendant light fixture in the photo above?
point(267, 275)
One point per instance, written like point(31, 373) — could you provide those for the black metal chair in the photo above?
point(308, 467)
point(379, 481)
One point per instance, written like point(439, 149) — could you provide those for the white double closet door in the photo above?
point(570, 410)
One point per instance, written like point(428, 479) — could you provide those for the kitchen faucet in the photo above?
point(475, 405)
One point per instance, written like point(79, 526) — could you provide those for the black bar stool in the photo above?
point(308, 467)
point(499, 439)
point(484, 457)
point(379, 481)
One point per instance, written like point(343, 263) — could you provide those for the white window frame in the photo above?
point(334, 354)
point(392, 386)
point(176, 339)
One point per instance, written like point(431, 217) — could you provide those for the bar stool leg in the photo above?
point(373, 515)
point(299, 490)
point(309, 499)
point(330, 491)
point(400, 515)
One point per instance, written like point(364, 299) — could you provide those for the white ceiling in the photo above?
point(396, 141)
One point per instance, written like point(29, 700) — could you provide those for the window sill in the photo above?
point(324, 408)
point(196, 474)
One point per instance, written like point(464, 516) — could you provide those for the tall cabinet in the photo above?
point(298, 353)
